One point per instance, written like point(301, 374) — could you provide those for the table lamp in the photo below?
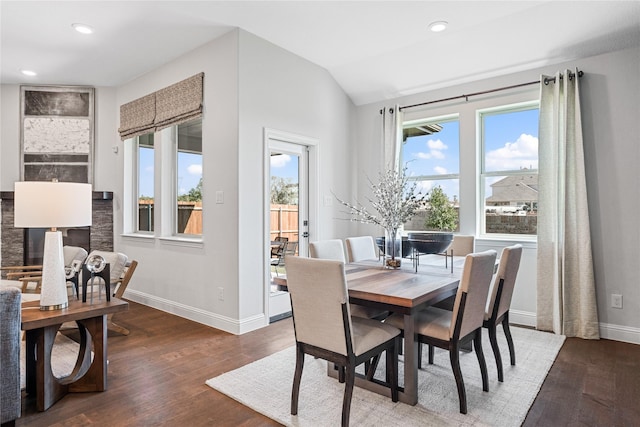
point(40, 204)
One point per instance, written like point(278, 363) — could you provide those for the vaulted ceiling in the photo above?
point(375, 50)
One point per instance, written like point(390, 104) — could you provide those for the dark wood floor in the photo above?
point(157, 375)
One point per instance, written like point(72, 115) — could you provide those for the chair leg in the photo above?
point(507, 333)
point(477, 345)
point(454, 356)
point(295, 392)
point(431, 348)
point(496, 350)
point(419, 355)
point(348, 394)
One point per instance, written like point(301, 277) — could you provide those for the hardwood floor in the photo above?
point(157, 375)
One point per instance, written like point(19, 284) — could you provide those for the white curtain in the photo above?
point(391, 136)
point(565, 284)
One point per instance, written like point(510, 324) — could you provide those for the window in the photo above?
point(509, 169)
point(188, 209)
point(145, 182)
point(167, 203)
point(431, 153)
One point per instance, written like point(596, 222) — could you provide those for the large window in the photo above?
point(166, 178)
point(431, 153)
point(509, 169)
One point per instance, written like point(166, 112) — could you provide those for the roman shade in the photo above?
point(166, 107)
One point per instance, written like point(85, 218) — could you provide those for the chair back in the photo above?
point(327, 249)
point(73, 253)
point(507, 272)
point(462, 245)
point(474, 288)
point(361, 248)
point(318, 290)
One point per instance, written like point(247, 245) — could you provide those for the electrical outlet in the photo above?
point(221, 294)
point(616, 300)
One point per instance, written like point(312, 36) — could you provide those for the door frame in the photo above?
point(311, 145)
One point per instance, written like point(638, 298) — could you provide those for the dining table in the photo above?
point(404, 291)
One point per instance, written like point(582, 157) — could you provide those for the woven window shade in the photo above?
point(179, 102)
point(137, 117)
point(170, 106)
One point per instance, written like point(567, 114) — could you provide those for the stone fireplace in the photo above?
point(25, 246)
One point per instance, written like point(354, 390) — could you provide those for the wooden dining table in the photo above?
point(403, 291)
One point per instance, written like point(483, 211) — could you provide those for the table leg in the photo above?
point(410, 394)
point(95, 378)
point(40, 378)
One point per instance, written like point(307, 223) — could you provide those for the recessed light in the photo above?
point(29, 73)
point(82, 28)
point(438, 26)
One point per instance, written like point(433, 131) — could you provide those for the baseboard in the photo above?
point(620, 333)
point(607, 331)
point(227, 324)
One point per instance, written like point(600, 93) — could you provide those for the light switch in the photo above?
point(219, 197)
point(328, 201)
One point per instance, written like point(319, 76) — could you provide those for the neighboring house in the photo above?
point(515, 191)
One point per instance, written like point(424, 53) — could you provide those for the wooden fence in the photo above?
point(189, 217)
point(284, 222)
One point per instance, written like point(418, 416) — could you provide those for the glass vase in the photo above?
point(393, 249)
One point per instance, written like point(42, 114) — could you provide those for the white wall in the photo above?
point(610, 93)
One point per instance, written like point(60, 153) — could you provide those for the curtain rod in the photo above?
point(484, 92)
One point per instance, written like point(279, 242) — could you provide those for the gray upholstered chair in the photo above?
point(450, 329)
point(10, 319)
point(327, 249)
point(497, 309)
point(361, 248)
point(334, 250)
point(324, 327)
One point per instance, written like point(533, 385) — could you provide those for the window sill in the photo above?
point(191, 242)
point(138, 236)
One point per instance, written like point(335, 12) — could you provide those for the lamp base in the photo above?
point(53, 292)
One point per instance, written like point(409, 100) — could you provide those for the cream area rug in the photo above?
point(63, 357)
point(265, 386)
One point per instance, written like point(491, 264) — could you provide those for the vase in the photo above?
point(393, 249)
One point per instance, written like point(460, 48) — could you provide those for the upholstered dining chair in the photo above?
point(451, 329)
point(334, 250)
point(461, 245)
point(497, 309)
point(324, 327)
point(327, 249)
point(361, 248)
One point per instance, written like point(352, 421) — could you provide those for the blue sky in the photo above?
point(285, 166)
point(189, 172)
point(511, 143)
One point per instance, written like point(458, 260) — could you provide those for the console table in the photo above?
point(41, 328)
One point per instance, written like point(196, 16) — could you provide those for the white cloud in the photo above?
point(523, 153)
point(436, 145)
point(280, 160)
point(440, 170)
point(195, 169)
point(149, 169)
point(436, 148)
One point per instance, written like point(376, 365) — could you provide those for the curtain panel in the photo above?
point(566, 297)
point(391, 137)
point(170, 106)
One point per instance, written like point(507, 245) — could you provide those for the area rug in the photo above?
point(63, 357)
point(265, 386)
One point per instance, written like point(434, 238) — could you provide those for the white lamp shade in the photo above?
point(41, 204)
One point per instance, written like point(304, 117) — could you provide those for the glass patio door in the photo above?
point(288, 214)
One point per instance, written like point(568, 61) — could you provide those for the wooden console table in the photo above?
point(41, 328)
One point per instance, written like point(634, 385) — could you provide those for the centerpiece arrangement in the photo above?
point(394, 202)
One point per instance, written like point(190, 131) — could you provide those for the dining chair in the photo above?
point(461, 245)
point(334, 250)
point(450, 330)
point(361, 249)
point(281, 244)
point(497, 309)
point(324, 327)
point(327, 249)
